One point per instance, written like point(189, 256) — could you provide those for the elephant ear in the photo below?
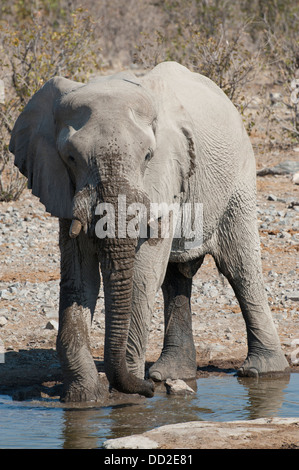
point(174, 127)
point(33, 143)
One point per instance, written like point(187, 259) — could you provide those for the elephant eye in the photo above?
point(71, 159)
point(149, 155)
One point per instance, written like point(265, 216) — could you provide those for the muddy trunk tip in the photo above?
point(75, 228)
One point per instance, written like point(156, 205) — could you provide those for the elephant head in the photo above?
point(81, 145)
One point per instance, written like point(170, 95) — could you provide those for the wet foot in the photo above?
point(269, 362)
point(173, 368)
point(76, 392)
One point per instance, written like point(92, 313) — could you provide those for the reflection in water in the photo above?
point(81, 428)
point(218, 398)
point(265, 395)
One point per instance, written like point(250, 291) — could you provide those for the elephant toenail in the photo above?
point(252, 372)
point(156, 376)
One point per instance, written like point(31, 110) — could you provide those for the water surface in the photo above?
point(48, 425)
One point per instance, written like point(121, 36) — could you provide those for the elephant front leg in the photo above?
point(79, 287)
point(149, 271)
point(178, 357)
point(81, 382)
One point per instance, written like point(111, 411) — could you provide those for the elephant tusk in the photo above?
point(75, 228)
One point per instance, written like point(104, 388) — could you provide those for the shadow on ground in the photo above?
point(27, 374)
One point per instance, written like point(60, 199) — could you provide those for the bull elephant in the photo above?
point(170, 138)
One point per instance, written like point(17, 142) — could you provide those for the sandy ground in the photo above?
point(29, 285)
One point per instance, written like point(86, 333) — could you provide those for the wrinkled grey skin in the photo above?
point(170, 136)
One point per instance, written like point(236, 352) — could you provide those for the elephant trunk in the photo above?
point(116, 256)
point(117, 261)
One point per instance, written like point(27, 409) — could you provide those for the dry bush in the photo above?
point(118, 25)
point(30, 56)
point(283, 56)
point(225, 61)
point(199, 38)
point(275, 29)
point(242, 46)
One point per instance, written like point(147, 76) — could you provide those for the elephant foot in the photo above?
point(263, 363)
point(174, 366)
point(82, 393)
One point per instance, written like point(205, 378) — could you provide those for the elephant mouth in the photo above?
point(76, 227)
point(149, 224)
point(106, 212)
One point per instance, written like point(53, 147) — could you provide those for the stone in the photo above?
point(52, 314)
point(3, 321)
point(293, 296)
point(178, 387)
point(295, 178)
point(263, 433)
point(283, 168)
point(52, 325)
point(130, 442)
point(4, 311)
point(4, 294)
point(2, 92)
point(289, 166)
point(275, 98)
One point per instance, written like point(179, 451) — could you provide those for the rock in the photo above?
point(293, 296)
point(178, 387)
point(296, 178)
point(275, 98)
point(283, 168)
point(130, 442)
point(285, 235)
point(271, 197)
point(2, 92)
point(4, 294)
point(53, 314)
point(3, 321)
point(288, 166)
point(52, 325)
point(13, 289)
point(4, 312)
point(261, 433)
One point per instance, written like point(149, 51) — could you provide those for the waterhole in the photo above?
point(45, 424)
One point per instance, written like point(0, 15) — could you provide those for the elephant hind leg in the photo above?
point(238, 259)
point(178, 357)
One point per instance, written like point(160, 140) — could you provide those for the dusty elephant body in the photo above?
point(121, 142)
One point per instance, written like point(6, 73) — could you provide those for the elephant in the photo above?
point(167, 138)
